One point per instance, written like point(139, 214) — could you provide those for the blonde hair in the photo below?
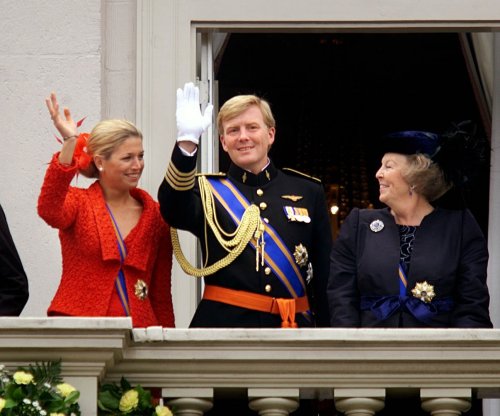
point(425, 177)
point(104, 138)
point(240, 103)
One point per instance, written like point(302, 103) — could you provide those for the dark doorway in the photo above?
point(333, 95)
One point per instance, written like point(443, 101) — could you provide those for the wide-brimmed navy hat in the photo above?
point(410, 142)
point(459, 151)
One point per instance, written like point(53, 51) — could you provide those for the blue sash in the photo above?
point(402, 279)
point(278, 257)
point(384, 306)
point(121, 287)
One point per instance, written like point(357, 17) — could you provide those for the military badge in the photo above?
point(424, 291)
point(293, 198)
point(297, 214)
point(309, 275)
point(141, 289)
point(300, 254)
point(376, 226)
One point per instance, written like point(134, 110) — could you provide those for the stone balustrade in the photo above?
point(272, 368)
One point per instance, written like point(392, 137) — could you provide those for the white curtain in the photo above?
point(483, 49)
point(490, 57)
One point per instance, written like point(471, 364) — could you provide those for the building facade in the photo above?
point(125, 59)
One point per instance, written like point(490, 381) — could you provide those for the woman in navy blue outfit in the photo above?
point(412, 264)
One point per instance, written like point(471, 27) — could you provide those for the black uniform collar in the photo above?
point(241, 175)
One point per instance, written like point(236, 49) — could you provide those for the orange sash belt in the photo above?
point(286, 308)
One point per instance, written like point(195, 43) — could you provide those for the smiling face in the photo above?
point(247, 139)
point(393, 186)
point(123, 169)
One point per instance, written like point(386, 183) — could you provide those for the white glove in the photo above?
point(190, 122)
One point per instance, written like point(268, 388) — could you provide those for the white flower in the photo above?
point(27, 401)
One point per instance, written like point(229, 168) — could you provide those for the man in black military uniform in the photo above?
point(264, 232)
point(13, 280)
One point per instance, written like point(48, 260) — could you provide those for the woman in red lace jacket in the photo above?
point(116, 249)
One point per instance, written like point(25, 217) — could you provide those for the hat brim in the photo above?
point(411, 142)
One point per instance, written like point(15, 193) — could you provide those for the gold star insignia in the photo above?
point(300, 254)
point(424, 291)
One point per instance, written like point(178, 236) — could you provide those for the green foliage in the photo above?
point(37, 390)
point(47, 372)
point(123, 399)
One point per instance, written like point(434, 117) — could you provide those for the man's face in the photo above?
point(247, 139)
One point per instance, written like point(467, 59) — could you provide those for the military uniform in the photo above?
point(13, 280)
point(293, 204)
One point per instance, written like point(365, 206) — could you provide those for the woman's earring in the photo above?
point(100, 168)
point(412, 187)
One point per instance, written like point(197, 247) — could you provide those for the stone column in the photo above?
point(445, 402)
point(87, 386)
point(189, 402)
point(273, 402)
point(359, 402)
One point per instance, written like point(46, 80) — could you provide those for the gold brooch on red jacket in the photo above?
point(424, 291)
point(141, 289)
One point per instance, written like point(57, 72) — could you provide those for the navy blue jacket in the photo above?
point(449, 252)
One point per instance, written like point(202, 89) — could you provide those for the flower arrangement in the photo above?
point(123, 399)
point(38, 390)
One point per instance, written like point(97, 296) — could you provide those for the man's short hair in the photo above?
point(240, 103)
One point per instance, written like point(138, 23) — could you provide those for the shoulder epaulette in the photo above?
point(302, 175)
point(212, 175)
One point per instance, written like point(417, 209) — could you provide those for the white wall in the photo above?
point(46, 45)
point(86, 52)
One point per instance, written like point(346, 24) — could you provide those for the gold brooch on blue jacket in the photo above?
point(141, 289)
point(301, 256)
point(424, 291)
point(377, 226)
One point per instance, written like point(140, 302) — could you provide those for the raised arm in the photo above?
point(179, 201)
point(66, 127)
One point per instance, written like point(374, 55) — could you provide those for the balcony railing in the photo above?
point(273, 368)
